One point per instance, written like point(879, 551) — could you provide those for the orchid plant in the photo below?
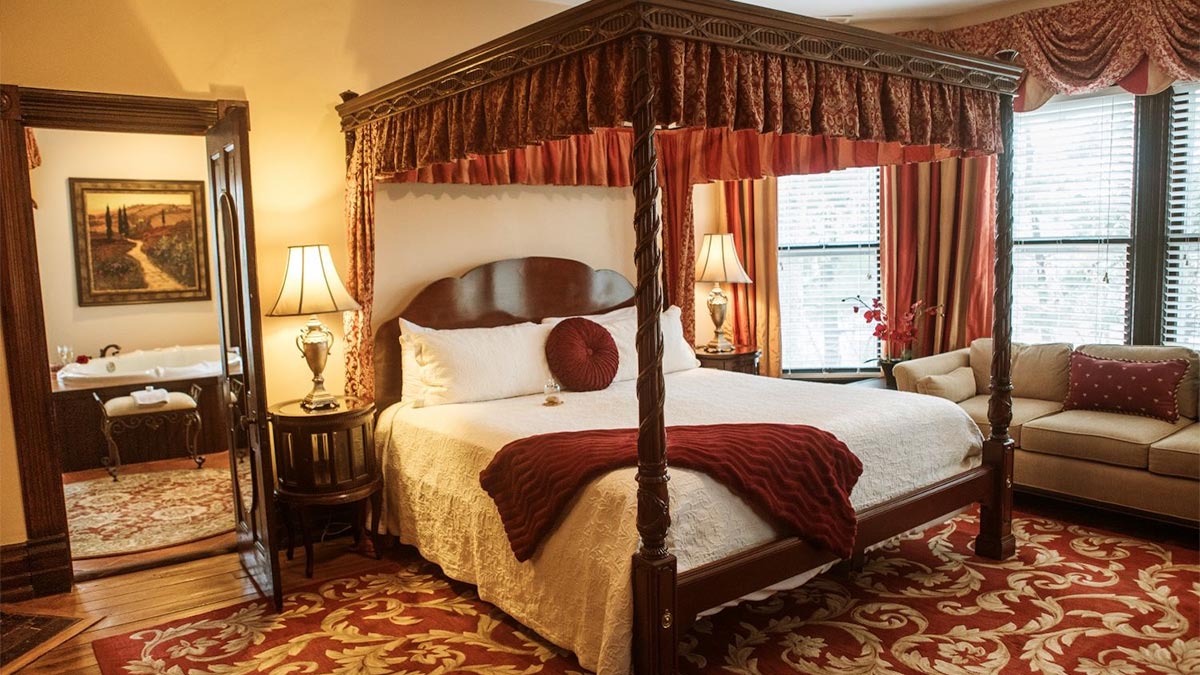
point(897, 335)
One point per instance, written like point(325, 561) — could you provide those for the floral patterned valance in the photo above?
point(699, 85)
point(1142, 45)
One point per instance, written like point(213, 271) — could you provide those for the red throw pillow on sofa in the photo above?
point(582, 355)
point(1148, 388)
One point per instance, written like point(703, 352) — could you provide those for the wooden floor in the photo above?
point(142, 599)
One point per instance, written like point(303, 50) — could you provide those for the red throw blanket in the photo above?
point(798, 475)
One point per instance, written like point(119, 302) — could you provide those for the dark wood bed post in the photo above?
point(995, 538)
point(654, 573)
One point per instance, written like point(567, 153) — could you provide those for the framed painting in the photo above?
point(139, 241)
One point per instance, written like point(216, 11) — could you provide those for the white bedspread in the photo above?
point(576, 591)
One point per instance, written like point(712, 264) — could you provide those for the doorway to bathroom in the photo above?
point(126, 258)
point(133, 368)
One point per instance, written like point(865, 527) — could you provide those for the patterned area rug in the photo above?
point(146, 511)
point(1074, 601)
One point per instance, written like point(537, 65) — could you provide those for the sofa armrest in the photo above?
point(908, 372)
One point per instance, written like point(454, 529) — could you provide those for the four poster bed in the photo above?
point(777, 93)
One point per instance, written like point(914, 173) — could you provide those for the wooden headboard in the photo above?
point(499, 293)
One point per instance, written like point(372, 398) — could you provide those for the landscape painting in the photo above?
point(139, 241)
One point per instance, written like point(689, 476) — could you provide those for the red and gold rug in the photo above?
point(1074, 601)
point(147, 511)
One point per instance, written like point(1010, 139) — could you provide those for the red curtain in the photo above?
point(740, 221)
point(678, 238)
point(937, 245)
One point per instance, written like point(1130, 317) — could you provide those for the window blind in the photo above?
point(828, 251)
point(1072, 212)
point(1181, 279)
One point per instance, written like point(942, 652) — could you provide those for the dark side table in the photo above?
point(326, 458)
point(740, 360)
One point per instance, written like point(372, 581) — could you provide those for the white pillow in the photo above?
point(411, 387)
point(677, 353)
point(481, 364)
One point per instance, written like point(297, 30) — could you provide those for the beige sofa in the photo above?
point(1130, 462)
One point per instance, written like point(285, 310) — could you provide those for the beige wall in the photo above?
point(425, 232)
point(90, 154)
point(12, 513)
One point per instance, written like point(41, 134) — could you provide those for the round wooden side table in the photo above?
point(326, 458)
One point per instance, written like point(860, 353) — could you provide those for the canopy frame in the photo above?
point(660, 593)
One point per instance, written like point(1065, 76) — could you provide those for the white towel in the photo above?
point(150, 396)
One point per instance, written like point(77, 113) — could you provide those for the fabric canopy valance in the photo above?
point(699, 85)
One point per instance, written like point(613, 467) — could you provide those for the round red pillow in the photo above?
point(582, 355)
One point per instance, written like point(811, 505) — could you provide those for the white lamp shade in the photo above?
point(718, 261)
point(311, 285)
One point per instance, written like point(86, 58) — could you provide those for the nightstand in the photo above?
point(740, 360)
point(326, 458)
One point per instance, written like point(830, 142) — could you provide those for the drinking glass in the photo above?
point(552, 390)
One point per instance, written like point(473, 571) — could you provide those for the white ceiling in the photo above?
point(860, 10)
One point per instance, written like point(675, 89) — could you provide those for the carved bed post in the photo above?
point(995, 538)
point(654, 575)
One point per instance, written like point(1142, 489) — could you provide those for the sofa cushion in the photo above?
point(956, 385)
point(1107, 437)
point(1024, 410)
point(1038, 371)
point(1178, 454)
point(1189, 387)
point(1148, 388)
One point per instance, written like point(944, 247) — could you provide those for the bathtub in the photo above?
point(149, 365)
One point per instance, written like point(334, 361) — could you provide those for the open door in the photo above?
point(250, 455)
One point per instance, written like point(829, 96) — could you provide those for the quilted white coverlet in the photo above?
point(576, 591)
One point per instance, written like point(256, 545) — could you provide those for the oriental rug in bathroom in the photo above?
point(147, 511)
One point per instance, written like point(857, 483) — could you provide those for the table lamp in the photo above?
point(718, 262)
point(311, 286)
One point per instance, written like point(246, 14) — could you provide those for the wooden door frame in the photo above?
point(42, 565)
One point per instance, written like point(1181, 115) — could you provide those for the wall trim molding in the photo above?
point(15, 584)
point(35, 568)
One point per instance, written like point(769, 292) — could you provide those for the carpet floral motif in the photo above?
point(146, 511)
point(1073, 601)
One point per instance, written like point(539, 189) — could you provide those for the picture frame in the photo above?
point(139, 241)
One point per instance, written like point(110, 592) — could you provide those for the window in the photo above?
point(828, 250)
point(1181, 279)
point(1072, 220)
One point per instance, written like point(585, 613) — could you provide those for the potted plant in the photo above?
point(895, 336)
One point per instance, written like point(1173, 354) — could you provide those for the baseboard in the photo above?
point(35, 568)
point(15, 584)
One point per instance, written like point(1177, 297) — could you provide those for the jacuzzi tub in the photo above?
point(149, 365)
